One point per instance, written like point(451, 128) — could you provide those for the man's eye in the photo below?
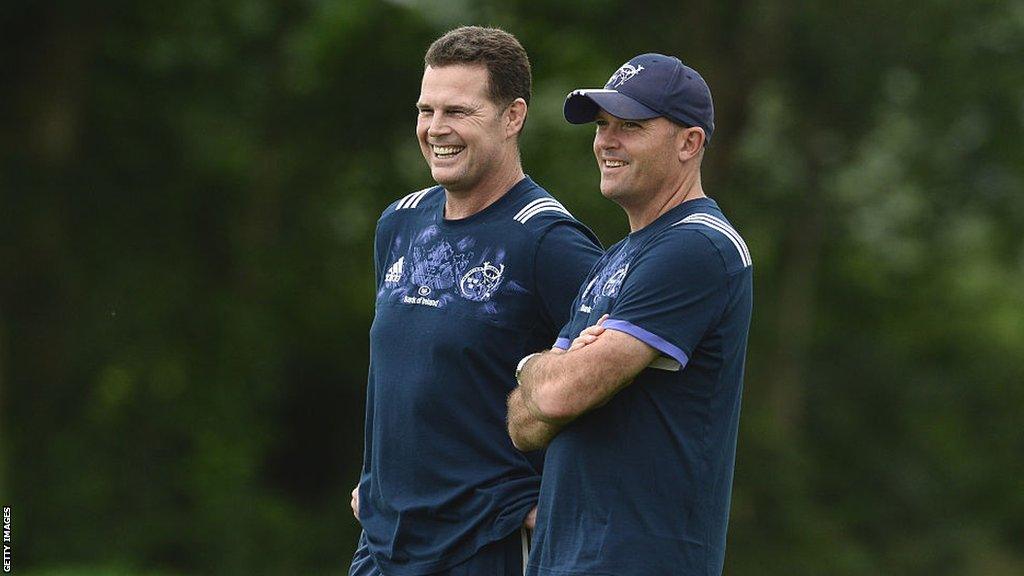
point(631, 124)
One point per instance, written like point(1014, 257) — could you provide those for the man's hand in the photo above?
point(531, 519)
point(588, 335)
point(526, 432)
point(355, 501)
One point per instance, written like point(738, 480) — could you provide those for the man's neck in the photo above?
point(643, 214)
point(464, 203)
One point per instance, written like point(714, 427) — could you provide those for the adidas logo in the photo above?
point(394, 274)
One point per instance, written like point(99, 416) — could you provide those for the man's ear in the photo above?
point(690, 142)
point(515, 117)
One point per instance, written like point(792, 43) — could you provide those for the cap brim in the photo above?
point(581, 106)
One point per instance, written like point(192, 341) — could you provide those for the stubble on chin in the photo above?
point(608, 190)
point(448, 179)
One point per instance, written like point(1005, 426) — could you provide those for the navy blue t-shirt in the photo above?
point(459, 302)
point(641, 486)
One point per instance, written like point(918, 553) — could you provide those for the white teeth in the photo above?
point(614, 163)
point(447, 150)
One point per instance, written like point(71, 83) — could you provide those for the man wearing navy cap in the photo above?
point(638, 404)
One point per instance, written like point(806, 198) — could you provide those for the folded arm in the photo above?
point(556, 388)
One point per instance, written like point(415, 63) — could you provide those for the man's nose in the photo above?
point(438, 125)
point(606, 138)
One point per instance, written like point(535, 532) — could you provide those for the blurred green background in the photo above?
point(189, 191)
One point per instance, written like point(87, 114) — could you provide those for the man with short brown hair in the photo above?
point(471, 275)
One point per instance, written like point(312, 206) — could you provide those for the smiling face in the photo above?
point(638, 159)
point(462, 134)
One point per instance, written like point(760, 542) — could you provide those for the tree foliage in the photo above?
point(190, 189)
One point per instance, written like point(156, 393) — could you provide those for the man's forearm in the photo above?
point(527, 432)
point(558, 388)
point(540, 376)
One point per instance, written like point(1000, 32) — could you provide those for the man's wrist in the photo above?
point(522, 365)
point(526, 392)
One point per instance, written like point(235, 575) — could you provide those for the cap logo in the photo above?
point(623, 75)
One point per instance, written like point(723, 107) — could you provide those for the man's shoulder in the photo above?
point(536, 209)
point(412, 202)
point(537, 213)
point(706, 234)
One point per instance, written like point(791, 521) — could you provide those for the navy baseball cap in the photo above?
point(648, 86)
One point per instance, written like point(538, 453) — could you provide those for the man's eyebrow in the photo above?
point(448, 107)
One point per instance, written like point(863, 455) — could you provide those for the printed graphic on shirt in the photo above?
point(611, 286)
point(394, 275)
point(436, 264)
point(606, 284)
point(479, 283)
point(433, 271)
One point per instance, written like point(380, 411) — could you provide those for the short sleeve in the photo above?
point(675, 290)
point(565, 256)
